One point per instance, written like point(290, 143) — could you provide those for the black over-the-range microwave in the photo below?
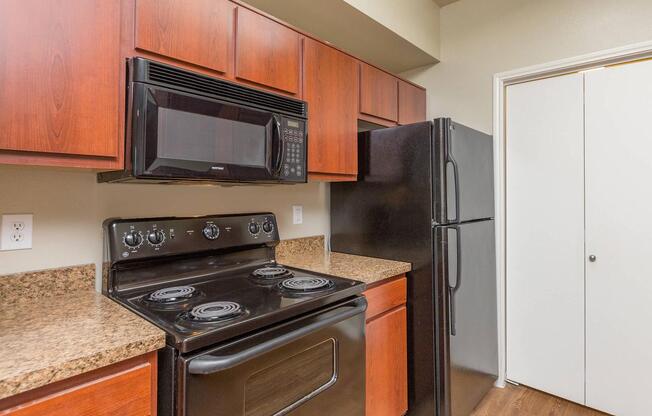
point(184, 126)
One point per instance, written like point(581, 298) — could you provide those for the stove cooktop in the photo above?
point(209, 309)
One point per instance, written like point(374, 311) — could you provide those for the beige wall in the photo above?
point(482, 37)
point(416, 20)
point(69, 207)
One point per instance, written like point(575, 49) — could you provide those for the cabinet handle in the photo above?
point(592, 258)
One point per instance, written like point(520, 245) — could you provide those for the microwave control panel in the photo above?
point(294, 157)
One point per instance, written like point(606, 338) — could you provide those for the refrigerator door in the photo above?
point(466, 265)
point(464, 175)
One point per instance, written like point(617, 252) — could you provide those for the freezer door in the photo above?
point(464, 175)
point(468, 270)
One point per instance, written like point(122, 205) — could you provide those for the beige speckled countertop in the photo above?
point(54, 325)
point(309, 254)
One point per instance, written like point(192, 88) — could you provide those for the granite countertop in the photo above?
point(54, 325)
point(309, 254)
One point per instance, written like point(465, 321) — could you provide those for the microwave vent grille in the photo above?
point(223, 89)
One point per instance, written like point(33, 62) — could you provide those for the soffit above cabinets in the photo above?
point(442, 3)
point(350, 29)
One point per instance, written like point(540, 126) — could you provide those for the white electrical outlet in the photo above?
point(297, 214)
point(16, 232)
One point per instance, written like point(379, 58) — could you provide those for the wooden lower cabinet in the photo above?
point(123, 389)
point(386, 338)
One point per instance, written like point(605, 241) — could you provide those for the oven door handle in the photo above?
point(210, 364)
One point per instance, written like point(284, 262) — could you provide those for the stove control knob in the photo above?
point(268, 227)
point(156, 237)
point(133, 239)
point(211, 231)
point(254, 228)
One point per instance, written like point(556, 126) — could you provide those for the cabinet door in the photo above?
point(411, 103)
point(378, 93)
point(618, 230)
point(330, 88)
point(545, 235)
point(113, 390)
point(267, 53)
point(198, 32)
point(60, 77)
point(386, 339)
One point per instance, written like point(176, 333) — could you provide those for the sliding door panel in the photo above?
point(545, 235)
point(619, 235)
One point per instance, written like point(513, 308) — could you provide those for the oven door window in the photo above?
point(281, 385)
point(188, 136)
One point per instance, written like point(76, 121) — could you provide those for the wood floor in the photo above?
point(523, 401)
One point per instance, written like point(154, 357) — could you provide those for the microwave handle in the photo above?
point(276, 132)
point(212, 364)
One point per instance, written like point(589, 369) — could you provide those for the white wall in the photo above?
point(480, 38)
point(69, 207)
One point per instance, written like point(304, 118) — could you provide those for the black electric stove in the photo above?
point(211, 282)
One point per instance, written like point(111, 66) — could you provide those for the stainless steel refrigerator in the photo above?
point(425, 195)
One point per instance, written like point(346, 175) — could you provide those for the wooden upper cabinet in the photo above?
point(199, 32)
point(267, 53)
point(378, 93)
point(60, 82)
point(411, 103)
point(330, 86)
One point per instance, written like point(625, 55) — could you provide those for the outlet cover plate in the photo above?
point(297, 214)
point(16, 232)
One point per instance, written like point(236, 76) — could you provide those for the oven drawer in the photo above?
point(314, 365)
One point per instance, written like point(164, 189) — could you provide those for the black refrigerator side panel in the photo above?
point(464, 179)
point(388, 214)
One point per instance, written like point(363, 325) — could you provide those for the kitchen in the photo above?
point(74, 80)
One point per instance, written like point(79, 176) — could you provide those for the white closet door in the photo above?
point(619, 234)
point(545, 235)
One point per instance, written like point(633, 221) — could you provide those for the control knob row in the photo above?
point(267, 227)
point(134, 239)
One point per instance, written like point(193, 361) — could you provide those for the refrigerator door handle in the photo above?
point(458, 280)
point(456, 181)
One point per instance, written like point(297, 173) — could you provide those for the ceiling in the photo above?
point(442, 3)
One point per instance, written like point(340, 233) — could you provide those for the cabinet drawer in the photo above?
point(125, 393)
point(386, 296)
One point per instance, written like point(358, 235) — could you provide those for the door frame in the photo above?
point(587, 62)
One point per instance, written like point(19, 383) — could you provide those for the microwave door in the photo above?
point(187, 136)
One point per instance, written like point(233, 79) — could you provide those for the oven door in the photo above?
point(177, 135)
point(311, 366)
